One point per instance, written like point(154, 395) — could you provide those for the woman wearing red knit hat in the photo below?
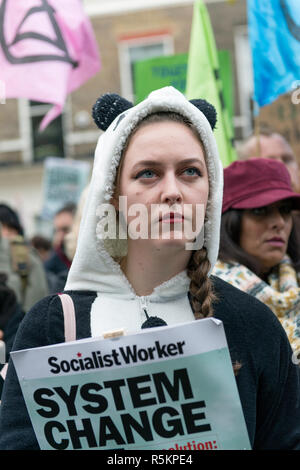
point(259, 253)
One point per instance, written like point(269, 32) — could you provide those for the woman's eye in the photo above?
point(259, 211)
point(192, 171)
point(286, 209)
point(145, 174)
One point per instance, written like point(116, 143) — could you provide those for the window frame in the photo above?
point(125, 43)
point(245, 80)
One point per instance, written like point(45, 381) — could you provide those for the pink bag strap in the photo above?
point(4, 371)
point(69, 317)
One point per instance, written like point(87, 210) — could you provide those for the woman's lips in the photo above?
point(276, 241)
point(172, 217)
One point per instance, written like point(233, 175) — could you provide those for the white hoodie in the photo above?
point(94, 269)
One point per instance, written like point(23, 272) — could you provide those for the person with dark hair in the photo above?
point(42, 246)
point(259, 246)
point(161, 155)
point(57, 265)
point(11, 225)
point(62, 222)
point(11, 316)
point(23, 267)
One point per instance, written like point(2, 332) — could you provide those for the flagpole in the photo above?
point(256, 124)
point(204, 80)
point(257, 135)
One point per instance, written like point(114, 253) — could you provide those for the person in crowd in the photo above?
point(69, 246)
point(62, 222)
point(71, 238)
point(23, 267)
point(259, 246)
point(270, 144)
point(42, 245)
point(11, 316)
point(10, 223)
point(162, 152)
point(11, 313)
point(58, 263)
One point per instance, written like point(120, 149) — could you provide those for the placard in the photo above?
point(63, 182)
point(283, 116)
point(157, 72)
point(170, 388)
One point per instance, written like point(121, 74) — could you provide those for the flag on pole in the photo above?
point(47, 50)
point(274, 30)
point(203, 79)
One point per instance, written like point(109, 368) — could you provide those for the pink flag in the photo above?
point(47, 50)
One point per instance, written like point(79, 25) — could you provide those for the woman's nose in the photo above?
point(276, 219)
point(171, 193)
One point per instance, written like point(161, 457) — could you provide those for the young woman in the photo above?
point(160, 158)
point(259, 250)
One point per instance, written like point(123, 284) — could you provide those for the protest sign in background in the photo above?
point(165, 388)
point(283, 116)
point(151, 74)
point(63, 182)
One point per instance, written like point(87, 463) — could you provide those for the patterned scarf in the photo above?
point(281, 293)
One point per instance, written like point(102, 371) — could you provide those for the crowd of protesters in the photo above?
point(30, 268)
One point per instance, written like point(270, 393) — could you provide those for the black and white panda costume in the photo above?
point(268, 381)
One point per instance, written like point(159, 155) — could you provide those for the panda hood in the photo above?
point(94, 266)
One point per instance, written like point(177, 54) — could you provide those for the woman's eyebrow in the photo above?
point(147, 163)
point(157, 163)
point(191, 161)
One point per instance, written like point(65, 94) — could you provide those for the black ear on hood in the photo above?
point(107, 108)
point(208, 110)
point(111, 105)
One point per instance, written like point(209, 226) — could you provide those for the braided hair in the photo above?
point(201, 290)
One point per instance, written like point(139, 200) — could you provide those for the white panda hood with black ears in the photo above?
point(93, 267)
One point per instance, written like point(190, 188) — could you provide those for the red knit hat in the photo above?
point(257, 182)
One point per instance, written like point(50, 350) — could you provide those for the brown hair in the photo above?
point(201, 289)
point(201, 292)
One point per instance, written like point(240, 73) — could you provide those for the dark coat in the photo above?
point(268, 381)
point(11, 316)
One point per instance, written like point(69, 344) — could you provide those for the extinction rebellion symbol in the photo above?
point(19, 36)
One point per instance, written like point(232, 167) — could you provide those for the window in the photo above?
point(133, 49)
point(50, 142)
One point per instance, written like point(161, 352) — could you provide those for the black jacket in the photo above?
point(268, 381)
point(11, 316)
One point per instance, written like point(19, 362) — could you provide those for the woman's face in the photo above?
point(265, 233)
point(164, 171)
